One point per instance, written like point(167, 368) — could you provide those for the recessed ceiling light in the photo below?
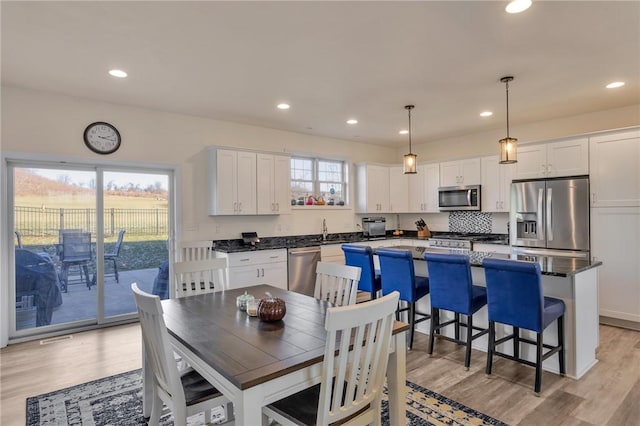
point(486, 114)
point(352, 121)
point(404, 132)
point(517, 6)
point(284, 106)
point(117, 73)
point(615, 84)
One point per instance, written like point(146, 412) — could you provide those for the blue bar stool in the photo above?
point(398, 274)
point(514, 297)
point(362, 256)
point(452, 289)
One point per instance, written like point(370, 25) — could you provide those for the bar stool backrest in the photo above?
point(362, 256)
point(450, 283)
point(514, 293)
point(397, 272)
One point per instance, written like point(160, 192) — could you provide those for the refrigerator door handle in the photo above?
point(539, 216)
point(549, 217)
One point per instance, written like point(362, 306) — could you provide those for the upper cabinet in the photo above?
point(232, 182)
point(460, 172)
point(496, 184)
point(398, 190)
point(615, 169)
point(423, 189)
point(554, 159)
point(273, 184)
point(373, 188)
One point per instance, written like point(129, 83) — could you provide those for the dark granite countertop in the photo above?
point(272, 243)
point(549, 265)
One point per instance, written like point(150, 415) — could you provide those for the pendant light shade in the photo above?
point(508, 145)
point(410, 159)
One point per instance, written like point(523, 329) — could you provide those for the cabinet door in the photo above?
point(398, 190)
point(506, 176)
point(615, 241)
point(265, 185)
point(615, 169)
point(491, 190)
point(470, 171)
point(226, 183)
point(246, 186)
point(417, 190)
point(532, 161)
point(450, 173)
point(432, 183)
point(274, 274)
point(244, 276)
point(568, 158)
point(282, 183)
point(377, 188)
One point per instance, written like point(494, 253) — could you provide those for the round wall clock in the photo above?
point(102, 138)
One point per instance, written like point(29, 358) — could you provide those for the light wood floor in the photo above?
point(608, 395)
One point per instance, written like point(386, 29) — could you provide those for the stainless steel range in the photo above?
point(458, 242)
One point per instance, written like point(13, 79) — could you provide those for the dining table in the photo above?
point(255, 363)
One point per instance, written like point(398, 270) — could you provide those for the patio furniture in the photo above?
point(113, 255)
point(36, 288)
point(76, 251)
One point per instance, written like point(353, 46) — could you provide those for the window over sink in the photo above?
point(318, 181)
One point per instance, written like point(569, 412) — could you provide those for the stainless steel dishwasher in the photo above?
point(302, 269)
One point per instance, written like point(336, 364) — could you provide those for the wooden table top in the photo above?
point(244, 349)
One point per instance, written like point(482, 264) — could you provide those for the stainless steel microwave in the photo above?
point(452, 198)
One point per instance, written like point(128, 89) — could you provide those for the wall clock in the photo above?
point(102, 138)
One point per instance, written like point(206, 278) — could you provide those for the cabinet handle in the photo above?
point(549, 168)
point(273, 207)
point(544, 169)
point(273, 257)
point(277, 207)
point(594, 198)
point(239, 207)
point(263, 272)
point(244, 260)
point(235, 207)
point(258, 273)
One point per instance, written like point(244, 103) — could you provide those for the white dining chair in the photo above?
point(337, 283)
point(184, 392)
point(351, 386)
point(191, 251)
point(200, 277)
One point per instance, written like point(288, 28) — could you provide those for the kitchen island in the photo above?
point(575, 281)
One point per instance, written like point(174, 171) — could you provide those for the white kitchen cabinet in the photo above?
point(232, 182)
point(496, 184)
point(273, 184)
point(553, 159)
point(373, 188)
point(251, 268)
point(398, 190)
point(460, 172)
point(332, 253)
point(423, 189)
point(615, 240)
point(615, 169)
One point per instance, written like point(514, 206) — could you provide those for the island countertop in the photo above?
point(549, 265)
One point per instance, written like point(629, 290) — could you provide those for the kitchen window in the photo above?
point(323, 180)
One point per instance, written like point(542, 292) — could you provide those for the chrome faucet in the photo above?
point(324, 230)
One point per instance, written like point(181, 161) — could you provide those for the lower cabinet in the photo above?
point(247, 269)
point(332, 253)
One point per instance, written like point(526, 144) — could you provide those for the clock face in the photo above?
point(102, 138)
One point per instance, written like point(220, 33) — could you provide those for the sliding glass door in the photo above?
point(82, 235)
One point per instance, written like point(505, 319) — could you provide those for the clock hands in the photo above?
point(109, 139)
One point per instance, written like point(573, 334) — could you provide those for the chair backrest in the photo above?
point(397, 272)
point(450, 283)
point(76, 246)
point(204, 276)
point(19, 238)
point(116, 248)
point(61, 233)
point(196, 250)
point(158, 351)
point(362, 256)
point(355, 377)
point(514, 293)
point(337, 284)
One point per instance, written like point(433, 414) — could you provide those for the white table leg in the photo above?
point(396, 381)
point(248, 407)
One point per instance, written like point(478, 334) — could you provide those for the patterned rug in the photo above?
point(117, 400)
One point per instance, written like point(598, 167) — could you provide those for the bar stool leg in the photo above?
point(491, 346)
point(563, 368)
point(538, 383)
point(516, 342)
point(412, 322)
point(457, 325)
point(467, 356)
point(432, 331)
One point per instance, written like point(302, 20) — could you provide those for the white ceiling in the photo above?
point(333, 61)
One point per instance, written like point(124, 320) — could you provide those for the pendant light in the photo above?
point(508, 145)
point(410, 159)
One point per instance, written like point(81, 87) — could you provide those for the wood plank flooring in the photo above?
point(607, 395)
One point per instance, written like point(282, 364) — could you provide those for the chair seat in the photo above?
point(422, 287)
point(553, 308)
point(478, 298)
point(196, 388)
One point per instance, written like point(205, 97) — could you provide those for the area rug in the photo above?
point(117, 400)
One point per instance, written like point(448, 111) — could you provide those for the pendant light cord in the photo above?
point(507, 83)
point(409, 130)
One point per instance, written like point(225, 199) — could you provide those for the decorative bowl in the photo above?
point(271, 308)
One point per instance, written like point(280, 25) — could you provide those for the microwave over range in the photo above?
point(451, 198)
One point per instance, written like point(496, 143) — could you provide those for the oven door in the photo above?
point(452, 198)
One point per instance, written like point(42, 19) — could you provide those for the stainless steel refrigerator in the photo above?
point(550, 217)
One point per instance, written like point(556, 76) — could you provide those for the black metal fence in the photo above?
point(34, 221)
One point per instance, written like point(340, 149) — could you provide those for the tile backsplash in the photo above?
point(470, 221)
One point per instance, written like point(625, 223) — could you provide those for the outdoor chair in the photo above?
point(350, 391)
point(184, 392)
point(337, 284)
point(113, 255)
point(76, 251)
